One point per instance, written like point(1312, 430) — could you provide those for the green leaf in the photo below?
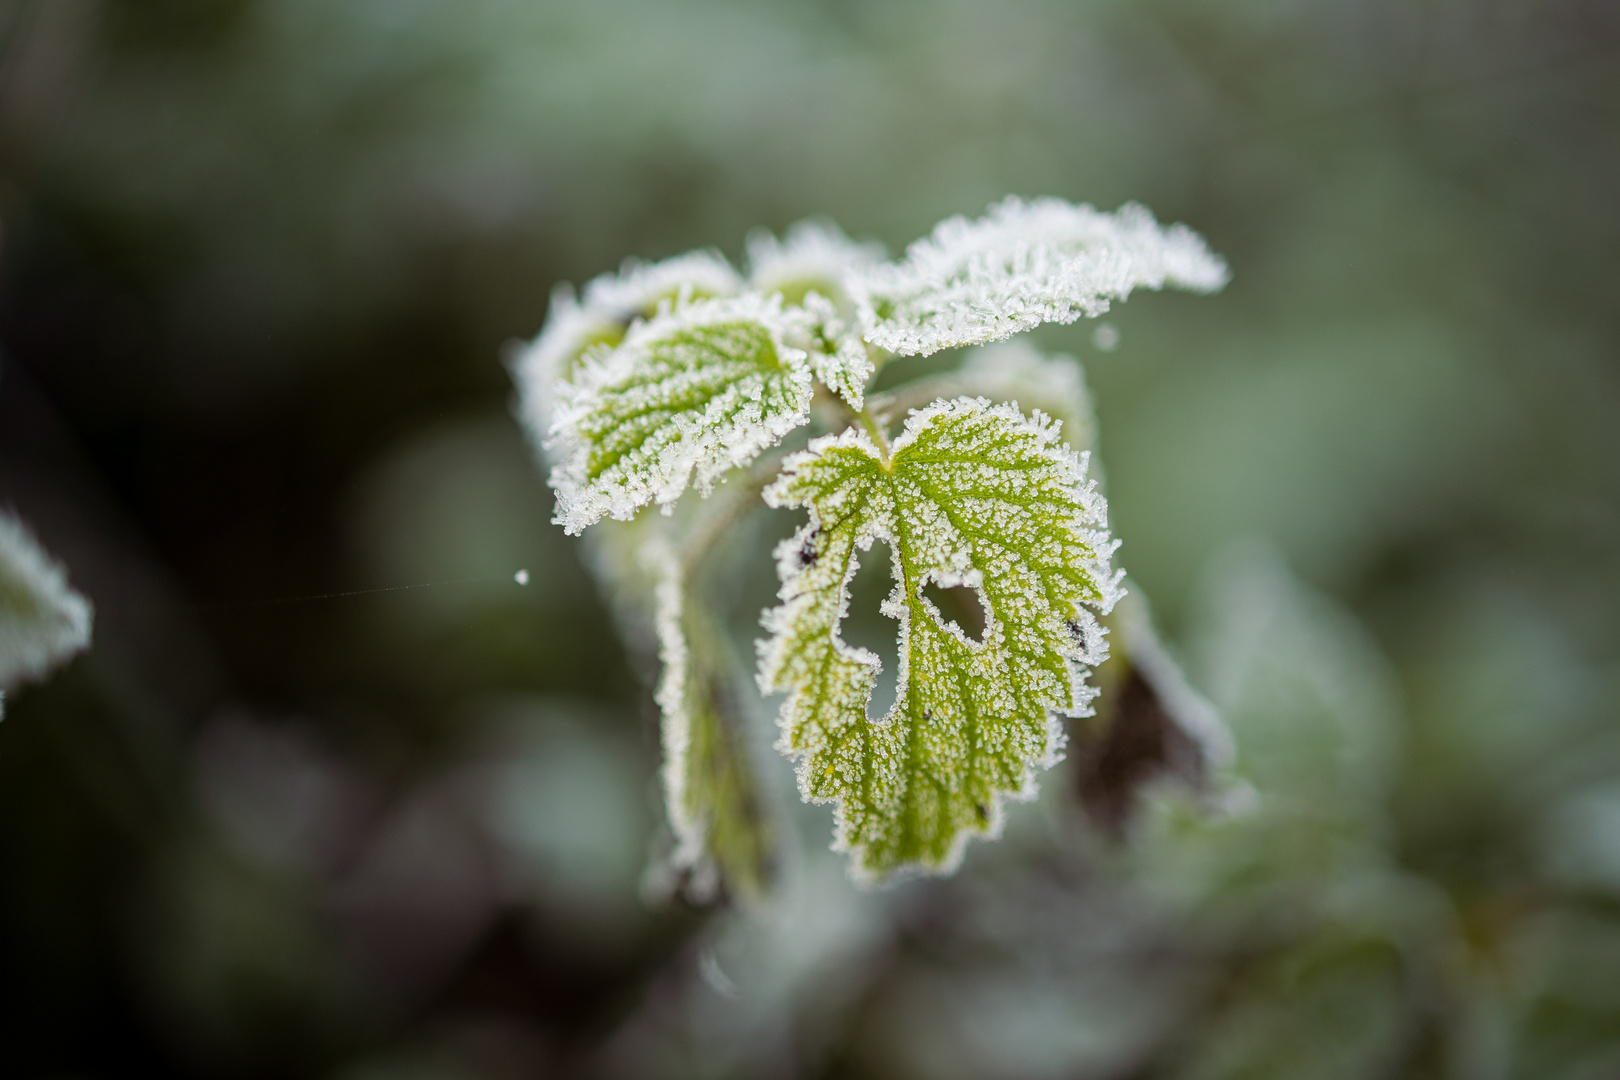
point(808, 268)
point(1023, 264)
point(697, 390)
point(1012, 371)
point(972, 494)
point(611, 303)
point(711, 796)
point(42, 620)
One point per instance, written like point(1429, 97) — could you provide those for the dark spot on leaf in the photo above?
point(807, 551)
point(1077, 632)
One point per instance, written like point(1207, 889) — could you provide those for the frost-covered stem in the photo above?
point(869, 421)
point(723, 514)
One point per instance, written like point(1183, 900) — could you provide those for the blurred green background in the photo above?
point(259, 263)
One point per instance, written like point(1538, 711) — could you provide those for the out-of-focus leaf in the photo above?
point(42, 620)
point(1149, 722)
point(712, 799)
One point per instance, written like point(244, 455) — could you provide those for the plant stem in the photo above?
point(874, 427)
point(706, 534)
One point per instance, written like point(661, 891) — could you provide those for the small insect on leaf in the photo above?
point(972, 494)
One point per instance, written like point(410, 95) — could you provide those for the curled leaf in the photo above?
point(1023, 264)
point(972, 494)
point(809, 268)
point(711, 795)
point(813, 257)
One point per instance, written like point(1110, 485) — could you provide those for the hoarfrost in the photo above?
point(612, 302)
point(700, 388)
point(971, 494)
point(1022, 264)
point(809, 267)
point(813, 256)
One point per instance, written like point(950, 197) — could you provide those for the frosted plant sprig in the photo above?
point(1023, 264)
point(683, 374)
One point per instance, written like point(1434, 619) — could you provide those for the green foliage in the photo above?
point(699, 389)
point(970, 495)
point(675, 374)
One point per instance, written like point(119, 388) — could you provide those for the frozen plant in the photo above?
point(686, 374)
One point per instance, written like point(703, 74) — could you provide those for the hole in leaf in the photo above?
point(866, 627)
point(960, 605)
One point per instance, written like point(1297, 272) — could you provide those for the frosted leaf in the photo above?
point(612, 302)
point(42, 620)
point(711, 797)
point(814, 256)
point(838, 356)
point(698, 389)
point(973, 494)
point(640, 287)
point(1020, 265)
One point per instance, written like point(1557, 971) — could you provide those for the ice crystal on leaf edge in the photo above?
point(1023, 264)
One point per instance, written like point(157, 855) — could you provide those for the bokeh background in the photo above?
point(260, 261)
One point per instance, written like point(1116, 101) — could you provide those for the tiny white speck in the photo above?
point(521, 577)
point(1105, 337)
point(709, 968)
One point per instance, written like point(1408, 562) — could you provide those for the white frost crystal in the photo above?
point(42, 620)
point(971, 494)
point(1022, 264)
point(700, 388)
point(810, 267)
